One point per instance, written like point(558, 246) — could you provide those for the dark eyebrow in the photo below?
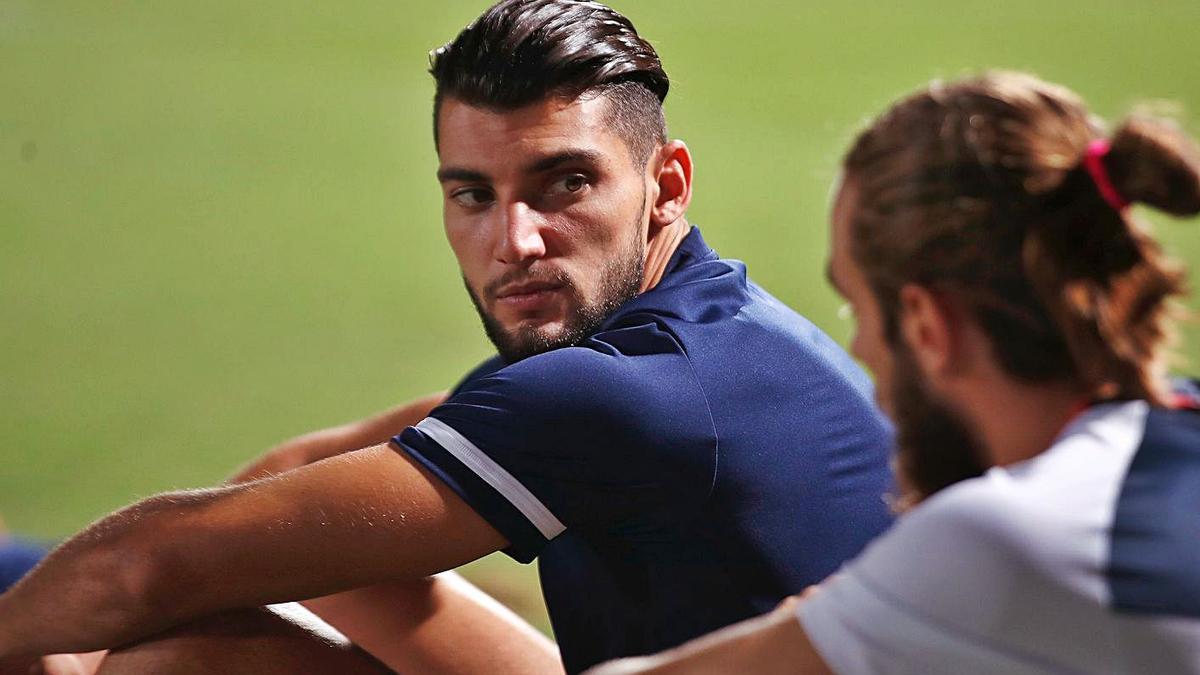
point(565, 157)
point(465, 175)
point(549, 163)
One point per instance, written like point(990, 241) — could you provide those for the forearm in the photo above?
point(441, 625)
point(151, 566)
point(774, 643)
point(90, 593)
point(347, 522)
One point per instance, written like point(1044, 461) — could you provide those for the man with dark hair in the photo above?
point(679, 449)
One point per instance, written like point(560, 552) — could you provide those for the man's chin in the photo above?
point(532, 337)
point(544, 335)
point(537, 328)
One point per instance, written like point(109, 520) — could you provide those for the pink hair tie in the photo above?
point(1092, 161)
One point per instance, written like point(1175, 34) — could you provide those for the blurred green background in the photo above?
point(219, 225)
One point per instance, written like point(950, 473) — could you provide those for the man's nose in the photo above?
point(520, 235)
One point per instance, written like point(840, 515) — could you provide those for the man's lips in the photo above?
point(527, 288)
point(527, 296)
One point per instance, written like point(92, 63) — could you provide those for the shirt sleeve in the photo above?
point(602, 436)
point(934, 594)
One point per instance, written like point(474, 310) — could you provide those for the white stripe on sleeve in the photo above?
point(493, 474)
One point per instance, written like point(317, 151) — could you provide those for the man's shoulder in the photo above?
point(701, 292)
point(713, 295)
point(1033, 507)
point(981, 511)
point(974, 537)
point(1154, 560)
point(607, 358)
point(489, 366)
point(593, 402)
point(616, 377)
point(1037, 522)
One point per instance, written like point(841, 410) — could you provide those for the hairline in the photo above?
point(602, 90)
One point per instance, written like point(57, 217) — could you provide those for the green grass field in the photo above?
point(219, 225)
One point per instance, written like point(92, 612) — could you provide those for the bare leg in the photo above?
point(259, 641)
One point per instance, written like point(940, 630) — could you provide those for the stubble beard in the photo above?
point(936, 446)
point(620, 281)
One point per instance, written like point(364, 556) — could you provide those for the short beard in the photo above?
point(936, 446)
point(620, 281)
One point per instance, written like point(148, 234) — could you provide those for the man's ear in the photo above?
point(928, 326)
point(674, 179)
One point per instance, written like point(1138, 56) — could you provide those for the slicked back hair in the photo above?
point(520, 52)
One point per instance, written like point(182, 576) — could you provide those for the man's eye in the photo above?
point(567, 185)
point(471, 198)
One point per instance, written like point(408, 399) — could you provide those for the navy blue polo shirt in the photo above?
point(704, 454)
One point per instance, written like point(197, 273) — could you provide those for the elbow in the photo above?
point(143, 568)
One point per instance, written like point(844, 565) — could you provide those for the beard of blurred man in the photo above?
point(936, 446)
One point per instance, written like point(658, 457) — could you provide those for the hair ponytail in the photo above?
point(1105, 282)
point(989, 189)
point(1153, 163)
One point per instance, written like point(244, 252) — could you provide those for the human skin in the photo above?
point(412, 626)
point(372, 515)
point(1015, 421)
point(953, 354)
point(548, 192)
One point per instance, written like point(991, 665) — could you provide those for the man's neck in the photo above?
point(659, 251)
point(1019, 421)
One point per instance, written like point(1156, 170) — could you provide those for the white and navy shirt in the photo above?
point(1083, 559)
point(702, 456)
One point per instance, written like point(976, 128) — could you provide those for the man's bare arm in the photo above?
point(772, 644)
point(354, 520)
point(326, 443)
point(441, 624)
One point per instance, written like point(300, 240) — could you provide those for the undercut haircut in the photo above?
point(520, 52)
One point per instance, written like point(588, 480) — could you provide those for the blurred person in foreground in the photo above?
point(679, 449)
point(1016, 316)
